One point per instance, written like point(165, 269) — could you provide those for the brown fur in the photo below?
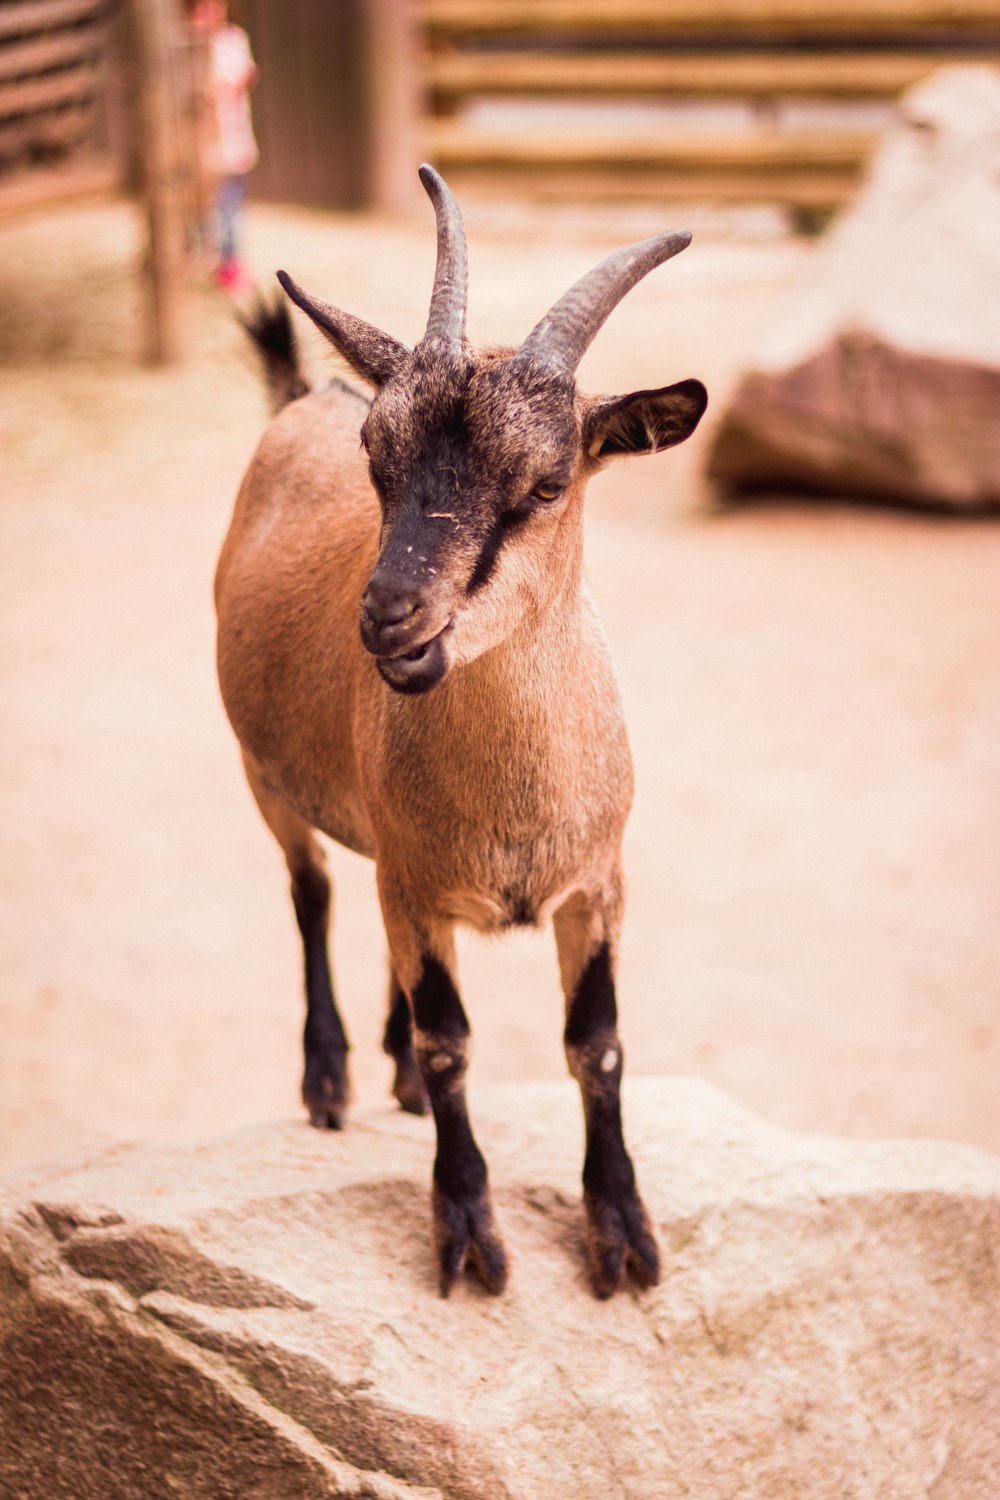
point(499, 795)
point(515, 782)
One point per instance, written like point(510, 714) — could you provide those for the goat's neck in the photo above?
point(519, 695)
point(526, 736)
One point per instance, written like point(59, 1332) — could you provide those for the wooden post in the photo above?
point(336, 111)
point(157, 35)
point(391, 103)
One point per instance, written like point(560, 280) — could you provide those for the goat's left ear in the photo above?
point(644, 422)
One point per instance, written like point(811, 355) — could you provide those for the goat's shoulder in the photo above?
point(308, 465)
point(305, 527)
point(320, 431)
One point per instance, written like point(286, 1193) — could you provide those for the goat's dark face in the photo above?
point(477, 463)
point(480, 461)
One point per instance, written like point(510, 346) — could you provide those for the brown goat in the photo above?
point(500, 797)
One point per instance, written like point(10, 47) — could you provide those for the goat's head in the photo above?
point(480, 458)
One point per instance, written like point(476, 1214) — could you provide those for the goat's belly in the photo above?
point(493, 886)
point(497, 911)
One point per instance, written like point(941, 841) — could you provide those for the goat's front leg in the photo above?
point(619, 1233)
point(464, 1226)
point(325, 1086)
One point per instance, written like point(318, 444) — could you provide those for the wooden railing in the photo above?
point(766, 54)
point(54, 130)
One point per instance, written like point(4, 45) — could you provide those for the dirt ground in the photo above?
point(812, 692)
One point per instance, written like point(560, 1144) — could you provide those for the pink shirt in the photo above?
point(231, 147)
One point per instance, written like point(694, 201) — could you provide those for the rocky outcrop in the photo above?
point(881, 376)
point(258, 1318)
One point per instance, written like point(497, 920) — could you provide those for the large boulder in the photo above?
point(257, 1318)
point(881, 376)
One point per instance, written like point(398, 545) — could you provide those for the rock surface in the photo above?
point(257, 1318)
point(881, 376)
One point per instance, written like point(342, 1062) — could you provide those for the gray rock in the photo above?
point(881, 376)
point(258, 1318)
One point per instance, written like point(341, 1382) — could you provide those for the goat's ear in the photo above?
point(644, 422)
point(370, 353)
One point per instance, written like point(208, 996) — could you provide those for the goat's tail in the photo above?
point(270, 331)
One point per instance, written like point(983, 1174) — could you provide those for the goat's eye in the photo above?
point(547, 490)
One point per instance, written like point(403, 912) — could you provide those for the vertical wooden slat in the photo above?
point(195, 121)
point(335, 109)
point(329, 74)
point(157, 36)
point(300, 105)
point(390, 109)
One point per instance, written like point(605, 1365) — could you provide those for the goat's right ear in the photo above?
point(646, 421)
point(370, 353)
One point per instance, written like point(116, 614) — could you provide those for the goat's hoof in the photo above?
point(465, 1234)
point(408, 1087)
point(325, 1090)
point(619, 1238)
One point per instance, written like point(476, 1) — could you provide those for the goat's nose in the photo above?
point(387, 601)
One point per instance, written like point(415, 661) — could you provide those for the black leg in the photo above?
point(397, 1043)
point(325, 1089)
point(463, 1216)
point(619, 1233)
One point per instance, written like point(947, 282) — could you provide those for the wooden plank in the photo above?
point(82, 178)
point(448, 144)
point(666, 17)
point(55, 131)
point(548, 74)
point(42, 53)
point(44, 15)
point(30, 95)
point(800, 189)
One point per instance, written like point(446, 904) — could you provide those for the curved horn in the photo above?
point(446, 320)
point(375, 355)
point(566, 332)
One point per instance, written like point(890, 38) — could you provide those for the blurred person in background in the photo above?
point(228, 146)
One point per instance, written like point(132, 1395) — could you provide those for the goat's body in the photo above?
point(517, 786)
point(414, 667)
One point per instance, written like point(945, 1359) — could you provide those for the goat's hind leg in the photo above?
point(325, 1087)
point(619, 1233)
point(397, 1043)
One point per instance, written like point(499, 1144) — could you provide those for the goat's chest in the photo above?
point(494, 819)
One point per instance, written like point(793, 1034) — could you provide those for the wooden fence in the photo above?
point(58, 131)
point(354, 93)
point(95, 96)
point(770, 60)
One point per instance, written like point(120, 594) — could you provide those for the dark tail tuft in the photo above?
point(270, 330)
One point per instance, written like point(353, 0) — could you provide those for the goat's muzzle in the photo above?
point(399, 631)
point(420, 669)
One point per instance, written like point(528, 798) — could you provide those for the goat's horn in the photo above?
point(374, 354)
point(566, 332)
point(451, 277)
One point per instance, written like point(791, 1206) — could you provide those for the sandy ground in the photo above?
point(812, 693)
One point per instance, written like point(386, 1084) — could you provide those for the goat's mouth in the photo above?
point(420, 668)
